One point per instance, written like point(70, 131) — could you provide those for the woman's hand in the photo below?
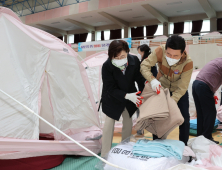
point(134, 98)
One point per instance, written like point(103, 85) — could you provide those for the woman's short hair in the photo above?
point(116, 47)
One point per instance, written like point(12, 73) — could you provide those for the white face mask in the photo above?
point(119, 63)
point(139, 56)
point(171, 61)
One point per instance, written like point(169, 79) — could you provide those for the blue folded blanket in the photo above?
point(193, 123)
point(159, 148)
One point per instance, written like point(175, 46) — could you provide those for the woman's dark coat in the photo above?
point(116, 85)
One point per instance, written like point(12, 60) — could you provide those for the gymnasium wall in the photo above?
point(200, 53)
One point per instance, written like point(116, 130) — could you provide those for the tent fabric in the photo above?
point(18, 148)
point(36, 163)
point(44, 74)
point(22, 80)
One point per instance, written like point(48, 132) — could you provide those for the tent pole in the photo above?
point(95, 90)
point(83, 60)
point(105, 161)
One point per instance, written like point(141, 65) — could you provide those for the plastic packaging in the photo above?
point(185, 167)
point(122, 155)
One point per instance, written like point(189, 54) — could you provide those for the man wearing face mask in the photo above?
point(175, 70)
point(119, 94)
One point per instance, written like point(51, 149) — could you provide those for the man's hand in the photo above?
point(155, 84)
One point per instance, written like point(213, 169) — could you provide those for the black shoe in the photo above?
point(190, 159)
point(140, 132)
point(214, 141)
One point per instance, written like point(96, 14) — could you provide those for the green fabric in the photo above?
point(79, 162)
point(193, 132)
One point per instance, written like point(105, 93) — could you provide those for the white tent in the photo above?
point(43, 73)
point(94, 64)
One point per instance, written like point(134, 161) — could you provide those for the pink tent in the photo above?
point(43, 73)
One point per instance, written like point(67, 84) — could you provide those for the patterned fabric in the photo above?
point(79, 162)
point(193, 132)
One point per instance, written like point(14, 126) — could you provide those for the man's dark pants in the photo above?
point(205, 106)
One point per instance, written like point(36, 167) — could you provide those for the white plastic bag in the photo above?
point(207, 152)
point(185, 167)
point(200, 145)
point(122, 156)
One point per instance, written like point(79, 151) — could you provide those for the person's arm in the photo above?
point(154, 71)
point(109, 83)
point(183, 83)
point(138, 76)
point(148, 63)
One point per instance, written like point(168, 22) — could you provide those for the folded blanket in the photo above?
point(159, 114)
point(193, 123)
point(159, 148)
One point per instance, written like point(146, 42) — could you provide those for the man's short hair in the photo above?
point(176, 42)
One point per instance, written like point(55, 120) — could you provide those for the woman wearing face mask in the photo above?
point(119, 94)
point(144, 51)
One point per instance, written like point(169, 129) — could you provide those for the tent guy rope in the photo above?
point(62, 132)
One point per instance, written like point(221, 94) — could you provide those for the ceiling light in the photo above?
point(86, 17)
point(174, 3)
point(184, 11)
point(138, 17)
point(55, 22)
point(127, 10)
